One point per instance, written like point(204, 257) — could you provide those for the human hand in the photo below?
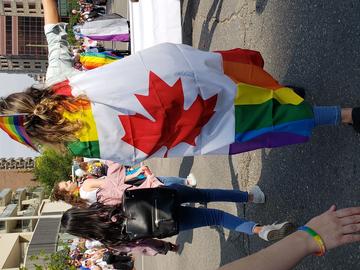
point(146, 170)
point(336, 227)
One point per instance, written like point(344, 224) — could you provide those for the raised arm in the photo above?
point(336, 228)
point(60, 66)
point(50, 12)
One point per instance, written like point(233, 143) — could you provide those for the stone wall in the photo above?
point(16, 179)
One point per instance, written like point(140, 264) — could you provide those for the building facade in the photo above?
point(18, 247)
point(17, 163)
point(31, 8)
point(23, 46)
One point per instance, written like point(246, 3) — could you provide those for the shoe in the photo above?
point(298, 90)
point(276, 231)
point(258, 195)
point(355, 114)
point(191, 180)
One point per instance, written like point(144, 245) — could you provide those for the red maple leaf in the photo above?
point(172, 124)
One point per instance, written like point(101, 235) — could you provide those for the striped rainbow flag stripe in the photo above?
point(13, 125)
point(87, 143)
point(91, 60)
point(266, 113)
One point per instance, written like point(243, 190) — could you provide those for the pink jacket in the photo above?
point(115, 186)
point(112, 194)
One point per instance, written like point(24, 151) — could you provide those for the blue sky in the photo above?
point(13, 83)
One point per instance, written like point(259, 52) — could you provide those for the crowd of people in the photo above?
point(169, 100)
point(92, 255)
point(89, 10)
point(89, 53)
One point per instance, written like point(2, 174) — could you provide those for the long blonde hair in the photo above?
point(45, 122)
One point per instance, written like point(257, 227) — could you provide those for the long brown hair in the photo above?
point(98, 222)
point(45, 122)
point(58, 194)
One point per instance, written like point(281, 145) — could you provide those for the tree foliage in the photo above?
point(73, 19)
point(52, 167)
point(55, 261)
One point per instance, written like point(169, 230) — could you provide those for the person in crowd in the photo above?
point(110, 189)
point(169, 100)
point(105, 223)
point(327, 231)
point(124, 262)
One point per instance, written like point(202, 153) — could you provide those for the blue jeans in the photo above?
point(327, 115)
point(170, 180)
point(191, 218)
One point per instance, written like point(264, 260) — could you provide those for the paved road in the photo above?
point(314, 44)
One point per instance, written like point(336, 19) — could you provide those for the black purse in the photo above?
point(151, 213)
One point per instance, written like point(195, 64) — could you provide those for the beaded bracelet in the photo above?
point(317, 239)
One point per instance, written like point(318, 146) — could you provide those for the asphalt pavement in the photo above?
point(312, 44)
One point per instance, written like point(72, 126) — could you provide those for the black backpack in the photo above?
point(151, 213)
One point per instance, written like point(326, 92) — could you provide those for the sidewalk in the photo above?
point(313, 45)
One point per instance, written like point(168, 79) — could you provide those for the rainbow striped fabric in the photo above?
point(266, 113)
point(87, 144)
point(91, 60)
point(253, 110)
point(13, 125)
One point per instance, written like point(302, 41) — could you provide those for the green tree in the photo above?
point(55, 261)
point(52, 167)
point(73, 19)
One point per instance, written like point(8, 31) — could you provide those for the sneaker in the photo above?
point(298, 90)
point(258, 195)
point(191, 180)
point(276, 231)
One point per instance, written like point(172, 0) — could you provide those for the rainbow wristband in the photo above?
point(317, 239)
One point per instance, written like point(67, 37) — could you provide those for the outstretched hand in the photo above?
point(336, 227)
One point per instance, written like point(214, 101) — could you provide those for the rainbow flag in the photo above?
point(13, 125)
point(91, 60)
point(172, 100)
point(267, 114)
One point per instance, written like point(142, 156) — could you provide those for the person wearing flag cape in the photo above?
point(169, 100)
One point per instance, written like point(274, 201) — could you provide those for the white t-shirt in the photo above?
point(90, 196)
point(89, 244)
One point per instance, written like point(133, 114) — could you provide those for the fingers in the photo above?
point(347, 212)
point(332, 208)
point(352, 228)
point(349, 238)
point(350, 220)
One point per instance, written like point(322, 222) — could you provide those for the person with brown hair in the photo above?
point(106, 223)
point(166, 101)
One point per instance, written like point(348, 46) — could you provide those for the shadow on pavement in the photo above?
point(235, 245)
point(189, 12)
point(260, 6)
point(209, 25)
point(302, 181)
point(185, 166)
point(186, 236)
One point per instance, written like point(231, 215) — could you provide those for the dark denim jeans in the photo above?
point(191, 218)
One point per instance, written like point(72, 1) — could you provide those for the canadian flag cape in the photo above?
point(166, 101)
